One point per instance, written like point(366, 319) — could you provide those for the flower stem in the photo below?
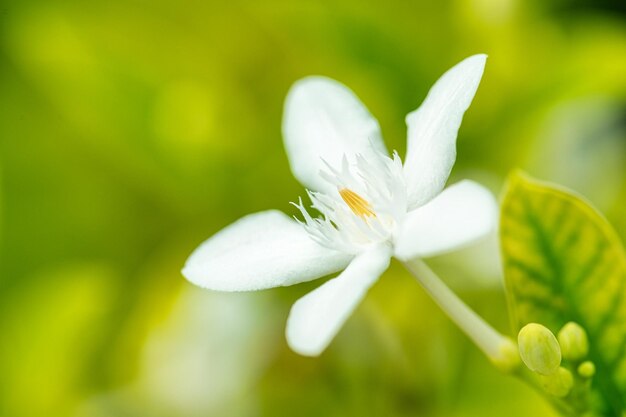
point(498, 348)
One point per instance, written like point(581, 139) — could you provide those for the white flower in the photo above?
point(373, 207)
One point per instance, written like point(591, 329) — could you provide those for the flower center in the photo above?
point(369, 204)
point(359, 206)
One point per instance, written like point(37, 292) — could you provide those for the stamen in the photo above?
point(357, 204)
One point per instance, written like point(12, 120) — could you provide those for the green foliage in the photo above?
point(132, 130)
point(564, 262)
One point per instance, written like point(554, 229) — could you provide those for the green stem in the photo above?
point(498, 348)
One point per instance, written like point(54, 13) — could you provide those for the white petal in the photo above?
point(461, 214)
point(433, 127)
point(324, 120)
point(261, 250)
point(317, 317)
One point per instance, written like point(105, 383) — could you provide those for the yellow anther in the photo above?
point(357, 204)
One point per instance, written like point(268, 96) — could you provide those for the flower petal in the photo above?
point(261, 250)
point(461, 214)
point(433, 127)
point(323, 121)
point(317, 317)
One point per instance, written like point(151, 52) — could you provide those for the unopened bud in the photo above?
point(574, 342)
point(539, 349)
point(587, 369)
point(559, 383)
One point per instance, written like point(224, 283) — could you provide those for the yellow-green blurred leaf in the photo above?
point(564, 262)
point(51, 332)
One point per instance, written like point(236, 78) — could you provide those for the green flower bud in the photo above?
point(587, 369)
point(559, 383)
point(539, 349)
point(574, 342)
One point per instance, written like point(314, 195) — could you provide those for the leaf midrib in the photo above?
point(607, 385)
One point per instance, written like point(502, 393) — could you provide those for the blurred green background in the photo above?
point(130, 131)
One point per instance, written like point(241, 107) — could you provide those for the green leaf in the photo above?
point(564, 262)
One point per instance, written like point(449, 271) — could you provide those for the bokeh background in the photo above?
point(130, 131)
